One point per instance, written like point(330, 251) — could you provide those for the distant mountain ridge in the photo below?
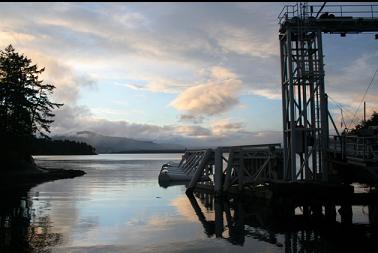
point(112, 144)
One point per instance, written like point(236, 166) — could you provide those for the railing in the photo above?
point(365, 148)
point(273, 146)
point(288, 11)
point(243, 165)
point(300, 10)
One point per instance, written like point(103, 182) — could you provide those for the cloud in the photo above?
point(193, 131)
point(131, 41)
point(346, 86)
point(191, 118)
point(160, 85)
point(66, 80)
point(268, 93)
point(233, 39)
point(225, 127)
point(353, 76)
point(109, 17)
point(167, 49)
point(216, 95)
point(70, 118)
point(11, 36)
point(220, 133)
point(81, 119)
point(68, 84)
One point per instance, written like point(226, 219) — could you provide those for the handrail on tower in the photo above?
point(362, 10)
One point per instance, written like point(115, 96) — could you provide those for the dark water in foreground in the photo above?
point(118, 206)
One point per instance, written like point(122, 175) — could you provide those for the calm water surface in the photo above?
point(118, 206)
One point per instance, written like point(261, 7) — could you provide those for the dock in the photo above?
point(312, 169)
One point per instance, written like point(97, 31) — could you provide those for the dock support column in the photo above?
point(373, 214)
point(218, 209)
point(306, 211)
point(218, 176)
point(330, 213)
point(346, 214)
point(241, 171)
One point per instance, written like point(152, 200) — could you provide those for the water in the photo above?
point(118, 206)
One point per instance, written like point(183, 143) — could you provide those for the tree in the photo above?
point(25, 106)
point(372, 121)
point(43, 146)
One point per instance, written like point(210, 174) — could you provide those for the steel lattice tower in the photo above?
point(304, 100)
point(305, 123)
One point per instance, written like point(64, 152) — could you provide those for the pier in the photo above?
point(312, 169)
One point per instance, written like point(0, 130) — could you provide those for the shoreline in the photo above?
point(124, 152)
point(24, 180)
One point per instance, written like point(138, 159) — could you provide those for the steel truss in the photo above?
point(304, 101)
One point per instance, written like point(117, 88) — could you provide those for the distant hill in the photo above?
point(111, 144)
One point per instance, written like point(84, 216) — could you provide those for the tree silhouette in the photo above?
point(43, 146)
point(25, 107)
point(372, 121)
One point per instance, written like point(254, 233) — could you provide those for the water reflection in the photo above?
point(17, 231)
point(278, 224)
point(118, 206)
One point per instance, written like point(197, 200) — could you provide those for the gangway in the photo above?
point(191, 161)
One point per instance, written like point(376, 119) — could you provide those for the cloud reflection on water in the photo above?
point(118, 206)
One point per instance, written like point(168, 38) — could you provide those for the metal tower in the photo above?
point(304, 100)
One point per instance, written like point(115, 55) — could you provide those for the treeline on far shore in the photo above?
point(151, 151)
point(44, 146)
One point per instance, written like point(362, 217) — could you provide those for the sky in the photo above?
point(195, 74)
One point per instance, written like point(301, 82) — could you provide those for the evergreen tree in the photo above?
point(372, 121)
point(25, 107)
point(43, 146)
